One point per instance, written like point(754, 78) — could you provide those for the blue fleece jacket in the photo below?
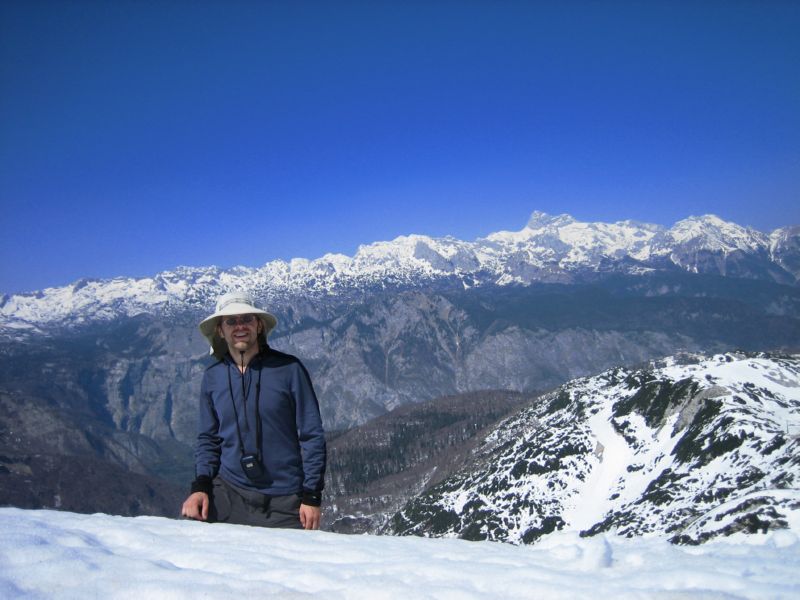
point(292, 444)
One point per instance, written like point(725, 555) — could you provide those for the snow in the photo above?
point(713, 233)
point(50, 554)
point(612, 456)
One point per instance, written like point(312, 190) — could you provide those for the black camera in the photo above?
point(252, 467)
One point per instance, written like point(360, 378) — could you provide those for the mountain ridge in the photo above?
point(690, 448)
point(548, 249)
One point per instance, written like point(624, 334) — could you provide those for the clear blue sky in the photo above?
point(139, 136)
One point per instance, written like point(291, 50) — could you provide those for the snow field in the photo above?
point(48, 554)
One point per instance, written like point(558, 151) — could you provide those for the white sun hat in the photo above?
point(233, 303)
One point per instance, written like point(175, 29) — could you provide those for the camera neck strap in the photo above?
point(245, 391)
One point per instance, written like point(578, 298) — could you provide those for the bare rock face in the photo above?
point(52, 457)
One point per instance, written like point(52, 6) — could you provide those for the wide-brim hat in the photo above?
point(233, 303)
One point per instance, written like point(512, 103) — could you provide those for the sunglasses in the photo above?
point(240, 320)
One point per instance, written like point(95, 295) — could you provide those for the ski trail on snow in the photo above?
point(611, 457)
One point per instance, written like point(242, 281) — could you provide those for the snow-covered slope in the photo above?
point(690, 449)
point(784, 248)
point(45, 554)
point(548, 248)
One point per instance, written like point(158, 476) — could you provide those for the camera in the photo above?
point(252, 467)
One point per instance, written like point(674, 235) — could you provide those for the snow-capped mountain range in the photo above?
point(689, 448)
point(547, 249)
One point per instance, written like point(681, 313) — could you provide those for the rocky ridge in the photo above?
point(688, 448)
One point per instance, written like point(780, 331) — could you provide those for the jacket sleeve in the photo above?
point(209, 442)
point(310, 435)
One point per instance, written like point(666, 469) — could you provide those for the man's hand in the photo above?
point(310, 516)
point(196, 507)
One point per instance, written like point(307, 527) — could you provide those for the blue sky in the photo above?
point(139, 136)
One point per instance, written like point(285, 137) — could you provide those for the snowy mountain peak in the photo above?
point(712, 233)
point(541, 220)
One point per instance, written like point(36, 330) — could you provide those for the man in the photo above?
point(260, 454)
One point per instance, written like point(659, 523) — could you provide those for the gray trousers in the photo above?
point(231, 504)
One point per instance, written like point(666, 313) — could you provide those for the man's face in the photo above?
point(240, 332)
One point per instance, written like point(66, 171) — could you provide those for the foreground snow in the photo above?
point(48, 554)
